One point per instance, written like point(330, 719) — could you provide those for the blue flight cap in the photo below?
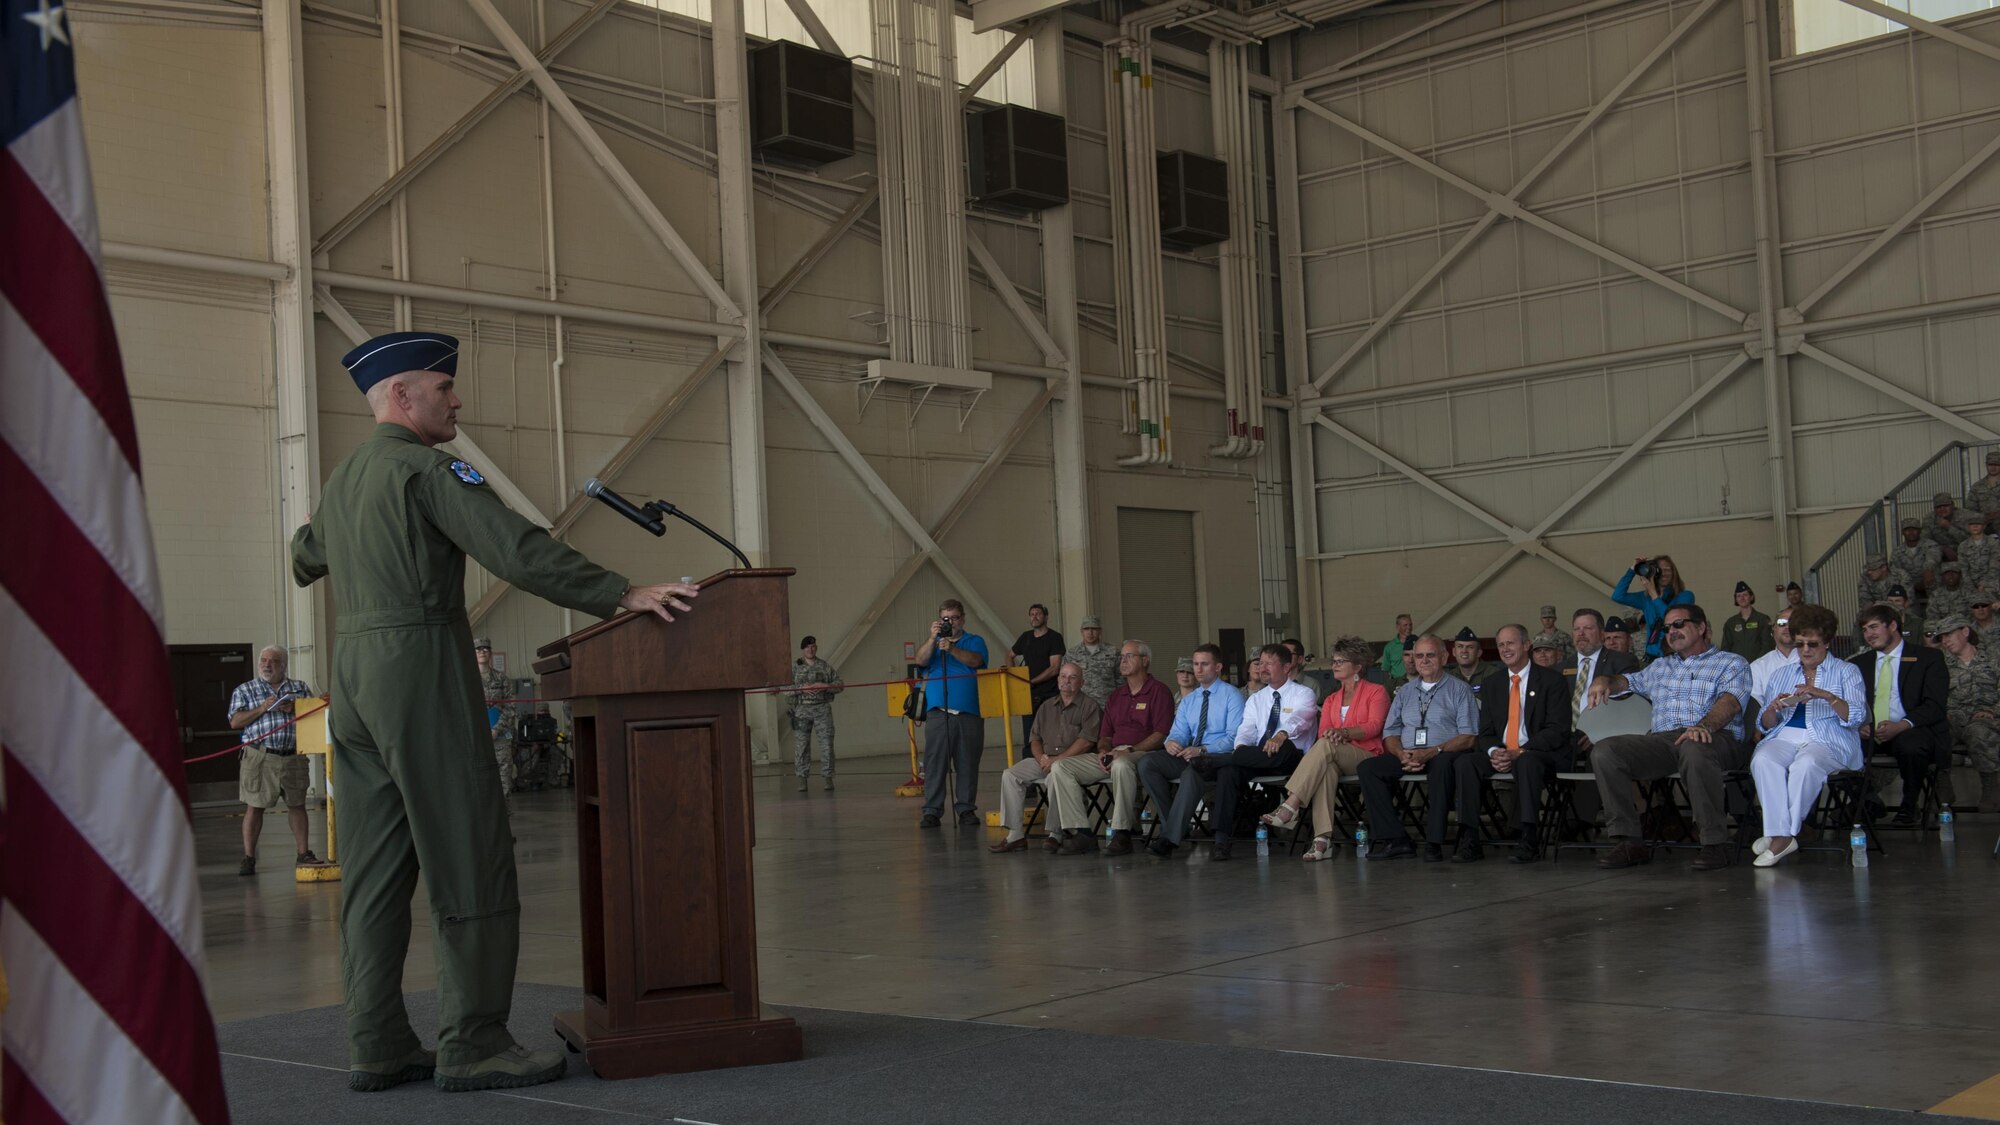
point(397, 352)
point(1466, 634)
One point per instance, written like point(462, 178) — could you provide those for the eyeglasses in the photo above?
point(1812, 644)
point(1683, 623)
point(1340, 660)
point(1426, 656)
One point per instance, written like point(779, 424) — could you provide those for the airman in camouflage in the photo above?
point(499, 716)
point(812, 712)
point(1947, 525)
point(1951, 596)
point(1915, 560)
point(1562, 637)
point(1974, 704)
point(1096, 660)
point(1873, 588)
point(1979, 554)
point(1984, 495)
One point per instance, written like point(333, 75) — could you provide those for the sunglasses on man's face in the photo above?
point(1683, 623)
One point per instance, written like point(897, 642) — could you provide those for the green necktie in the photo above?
point(1884, 684)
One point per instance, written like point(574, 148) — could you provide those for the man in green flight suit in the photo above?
point(418, 782)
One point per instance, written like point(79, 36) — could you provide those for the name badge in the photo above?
point(1421, 737)
point(1138, 707)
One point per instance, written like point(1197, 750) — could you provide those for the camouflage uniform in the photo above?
point(1975, 688)
point(1979, 560)
point(1984, 496)
point(812, 716)
point(1949, 532)
point(1099, 664)
point(1948, 601)
point(497, 686)
point(1908, 564)
point(1875, 591)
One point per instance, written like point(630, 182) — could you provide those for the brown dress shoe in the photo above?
point(1052, 844)
point(1020, 845)
point(1079, 843)
point(1628, 853)
point(1121, 844)
point(1712, 857)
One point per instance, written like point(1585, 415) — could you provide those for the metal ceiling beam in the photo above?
point(457, 131)
point(1338, 70)
point(1513, 210)
point(1487, 221)
point(1052, 353)
point(1310, 83)
point(607, 161)
point(960, 504)
point(993, 65)
point(1908, 398)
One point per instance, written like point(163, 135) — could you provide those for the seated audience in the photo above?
point(1974, 704)
point(1618, 638)
point(1908, 691)
point(1875, 582)
point(1984, 496)
point(1983, 619)
point(1815, 707)
point(1204, 728)
point(1784, 653)
point(1661, 590)
point(1546, 650)
point(1914, 561)
point(1594, 657)
point(1136, 720)
point(1698, 693)
point(1395, 668)
point(1906, 612)
point(1568, 648)
point(1951, 597)
point(1467, 659)
point(1524, 730)
point(1253, 676)
point(1278, 722)
point(1432, 716)
point(1947, 527)
point(1064, 726)
point(1350, 732)
point(1794, 596)
point(1746, 632)
point(1979, 555)
point(1184, 678)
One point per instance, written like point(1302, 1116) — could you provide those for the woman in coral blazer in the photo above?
point(1350, 732)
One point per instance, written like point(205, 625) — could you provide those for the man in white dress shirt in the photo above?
point(1279, 722)
point(1767, 665)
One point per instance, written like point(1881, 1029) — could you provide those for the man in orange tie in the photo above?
point(1524, 725)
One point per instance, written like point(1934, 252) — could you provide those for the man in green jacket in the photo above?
point(419, 788)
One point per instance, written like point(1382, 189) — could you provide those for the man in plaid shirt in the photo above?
point(271, 768)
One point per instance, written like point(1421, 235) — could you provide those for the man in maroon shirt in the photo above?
point(1137, 717)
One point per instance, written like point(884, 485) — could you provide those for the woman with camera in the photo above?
point(1663, 590)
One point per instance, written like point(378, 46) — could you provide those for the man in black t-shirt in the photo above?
point(1039, 650)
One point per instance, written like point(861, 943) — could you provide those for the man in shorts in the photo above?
point(272, 769)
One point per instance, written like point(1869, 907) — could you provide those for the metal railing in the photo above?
point(1834, 578)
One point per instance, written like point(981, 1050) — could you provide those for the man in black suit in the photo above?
point(1523, 730)
point(1907, 718)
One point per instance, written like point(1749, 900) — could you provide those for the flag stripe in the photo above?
point(144, 988)
point(76, 600)
point(63, 440)
point(50, 278)
point(144, 835)
point(79, 1060)
point(20, 1100)
point(60, 167)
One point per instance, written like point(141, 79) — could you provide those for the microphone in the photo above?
point(596, 490)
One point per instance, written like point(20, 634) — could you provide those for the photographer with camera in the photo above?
point(1663, 589)
point(954, 734)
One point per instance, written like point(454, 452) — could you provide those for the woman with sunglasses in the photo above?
point(1811, 728)
point(1974, 703)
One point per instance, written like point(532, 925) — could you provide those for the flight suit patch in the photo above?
point(466, 473)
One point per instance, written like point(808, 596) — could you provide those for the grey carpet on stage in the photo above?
point(873, 1069)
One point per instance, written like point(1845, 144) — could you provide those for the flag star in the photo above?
point(50, 21)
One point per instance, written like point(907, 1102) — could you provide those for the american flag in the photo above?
point(100, 916)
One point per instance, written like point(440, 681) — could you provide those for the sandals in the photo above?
point(1280, 817)
point(1322, 848)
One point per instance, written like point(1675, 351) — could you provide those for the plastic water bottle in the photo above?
point(1946, 834)
point(1146, 814)
point(1263, 842)
point(1857, 842)
point(1361, 843)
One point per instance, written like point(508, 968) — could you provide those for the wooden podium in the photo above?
point(664, 829)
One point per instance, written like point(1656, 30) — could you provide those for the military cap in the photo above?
point(1950, 567)
point(1092, 622)
point(1793, 586)
point(1184, 664)
point(808, 639)
point(397, 352)
point(1546, 640)
point(1466, 634)
point(1875, 561)
point(1743, 587)
point(1946, 624)
point(1941, 499)
point(1976, 517)
point(1982, 596)
point(1548, 611)
point(1616, 625)
point(1993, 456)
point(1912, 521)
point(1898, 592)
point(482, 642)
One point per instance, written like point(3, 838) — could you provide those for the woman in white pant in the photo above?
point(1810, 729)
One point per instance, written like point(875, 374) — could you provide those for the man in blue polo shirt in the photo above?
point(954, 734)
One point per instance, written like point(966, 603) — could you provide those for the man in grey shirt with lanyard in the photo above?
point(1431, 721)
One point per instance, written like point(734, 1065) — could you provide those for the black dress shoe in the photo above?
point(1219, 851)
point(1468, 851)
point(1525, 852)
point(1162, 847)
point(1391, 849)
point(970, 820)
point(930, 820)
point(1905, 818)
point(1711, 857)
point(1433, 853)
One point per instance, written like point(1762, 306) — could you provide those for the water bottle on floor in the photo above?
point(1263, 842)
point(1857, 842)
point(1361, 842)
point(1946, 834)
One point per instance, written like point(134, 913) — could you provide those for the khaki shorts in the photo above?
point(262, 778)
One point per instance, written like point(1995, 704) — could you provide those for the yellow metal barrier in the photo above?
point(313, 737)
point(1003, 695)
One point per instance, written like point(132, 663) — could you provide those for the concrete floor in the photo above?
point(1813, 980)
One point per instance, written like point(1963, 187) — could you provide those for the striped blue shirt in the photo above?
point(250, 696)
point(1684, 689)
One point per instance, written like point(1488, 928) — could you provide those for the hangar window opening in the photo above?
point(1820, 25)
